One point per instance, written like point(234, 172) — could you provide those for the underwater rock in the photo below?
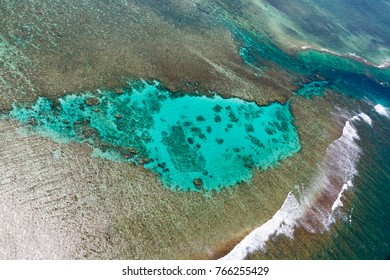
point(92, 101)
point(33, 122)
point(143, 160)
point(198, 182)
point(190, 140)
point(118, 91)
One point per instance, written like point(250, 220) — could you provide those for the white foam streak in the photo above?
point(338, 203)
point(385, 64)
point(342, 156)
point(354, 56)
point(381, 110)
point(283, 222)
point(353, 155)
point(349, 134)
point(363, 117)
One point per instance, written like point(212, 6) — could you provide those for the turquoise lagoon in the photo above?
point(192, 142)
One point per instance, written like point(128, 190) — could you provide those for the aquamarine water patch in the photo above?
point(192, 142)
point(311, 88)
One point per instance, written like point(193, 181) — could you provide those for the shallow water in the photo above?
point(192, 142)
point(323, 69)
point(199, 143)
point(312, 88)
point(364, 30)
point(349, 238)
point(360, 223)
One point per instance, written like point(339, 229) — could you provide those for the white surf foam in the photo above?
point(363, 117)
point(341, 158)
point(343, 155)
point(384, 64)
point(283, 222)
point(349, 134)
point(381, 110)
point(350, 216)
point(338, 203)
point(351, 156)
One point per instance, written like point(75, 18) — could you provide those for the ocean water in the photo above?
point(365, 222)
point(364, 31)
point(355, 226)
point(322, 68)
point(343, 212)
point(200, 144)
point(192, 142)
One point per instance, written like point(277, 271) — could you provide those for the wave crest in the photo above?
point(316, 207)
point(384, 65)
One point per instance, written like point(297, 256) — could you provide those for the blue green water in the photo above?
point(364, 30)
point(364, 230)
point(367, 231)
point(192, 142)
point(324, 70)
point(217, 142)
point(312, 88)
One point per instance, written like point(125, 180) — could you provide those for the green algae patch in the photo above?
point(194, 143)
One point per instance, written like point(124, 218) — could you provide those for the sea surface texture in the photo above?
point(194, 129)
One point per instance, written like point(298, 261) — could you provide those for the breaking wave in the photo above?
point(315, 208)
point(385, 64)
point(382, 110)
